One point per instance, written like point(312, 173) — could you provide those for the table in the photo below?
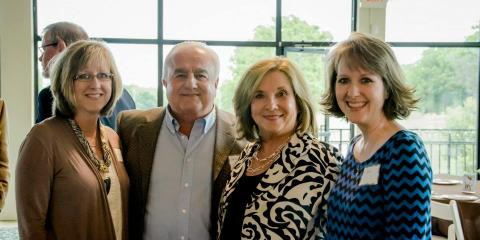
point(469, 210)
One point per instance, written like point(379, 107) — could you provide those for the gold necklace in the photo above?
point(102, 164)
point(253, 171)
point(264, 162)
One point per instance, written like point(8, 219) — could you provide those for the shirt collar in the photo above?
point(207, 122)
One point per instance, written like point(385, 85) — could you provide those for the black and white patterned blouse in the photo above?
point(289, 202)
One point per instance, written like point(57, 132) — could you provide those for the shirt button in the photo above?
point(182, 237)
point(189, 159)
point(186, 185)
point(184, 210)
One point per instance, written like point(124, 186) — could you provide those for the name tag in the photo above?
point(370, 175)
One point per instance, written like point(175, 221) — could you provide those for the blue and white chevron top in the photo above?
point(397, 207)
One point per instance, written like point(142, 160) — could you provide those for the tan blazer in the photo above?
point(138, 130)
point(4, 173)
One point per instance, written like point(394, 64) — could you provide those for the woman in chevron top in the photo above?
point(384, 187)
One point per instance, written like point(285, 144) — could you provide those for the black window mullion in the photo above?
point(36, 38)
point(160, 52)
point(278, 29)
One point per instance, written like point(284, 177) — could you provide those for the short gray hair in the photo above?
point(187, 44)
point(67, 31)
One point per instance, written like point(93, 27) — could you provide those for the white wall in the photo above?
point(16, 82)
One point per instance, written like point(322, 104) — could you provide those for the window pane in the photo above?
point(431, 20)
point(114, 19)
point(138, 67)
point(311, 62)
point(234, 62)
point(446, 80)
point(217, 19)
point(314, 20)
point(42, 82)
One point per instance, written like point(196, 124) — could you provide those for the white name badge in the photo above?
point(370, 175)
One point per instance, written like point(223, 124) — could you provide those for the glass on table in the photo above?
point(469, 182)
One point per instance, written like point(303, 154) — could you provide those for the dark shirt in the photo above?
point(395, 205)
point(242, 196)
point(45, 102)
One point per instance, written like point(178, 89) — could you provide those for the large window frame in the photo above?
point(160, 41)
point(279, 45)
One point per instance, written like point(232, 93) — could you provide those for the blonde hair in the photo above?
point(67, 64)
point(250, 81)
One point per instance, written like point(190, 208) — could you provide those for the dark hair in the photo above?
point(369, 53)
point(249, 83)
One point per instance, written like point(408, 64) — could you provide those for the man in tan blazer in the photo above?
point(4, 173)
point(177, 157)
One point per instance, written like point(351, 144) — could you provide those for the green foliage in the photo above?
point(475, 37)
point(461, 137)
point(241, 60)
point(445, 77)
point(463, 116)
point(145, 98)
point(293, 29)
point(446, 80)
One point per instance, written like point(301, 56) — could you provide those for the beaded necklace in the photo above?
point(102, 164)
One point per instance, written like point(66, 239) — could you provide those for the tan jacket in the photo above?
point(59, 192)
point(139, 131)
point(4, 173)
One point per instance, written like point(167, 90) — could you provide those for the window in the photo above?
point(446, 80)
point(216, 19)
point(438, 46)
point(332, 18)
point(114, 19)
point(431, 21)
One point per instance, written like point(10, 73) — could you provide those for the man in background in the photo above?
point(56, 37)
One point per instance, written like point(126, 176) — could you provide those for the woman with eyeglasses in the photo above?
point(70, 179)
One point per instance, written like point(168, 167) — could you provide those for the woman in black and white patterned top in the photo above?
point(279, 186)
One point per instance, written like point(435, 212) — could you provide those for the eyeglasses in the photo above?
point(87, 77)
point(44, 47)
point(107, 182)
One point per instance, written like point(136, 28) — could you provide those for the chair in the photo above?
point(448, 212)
